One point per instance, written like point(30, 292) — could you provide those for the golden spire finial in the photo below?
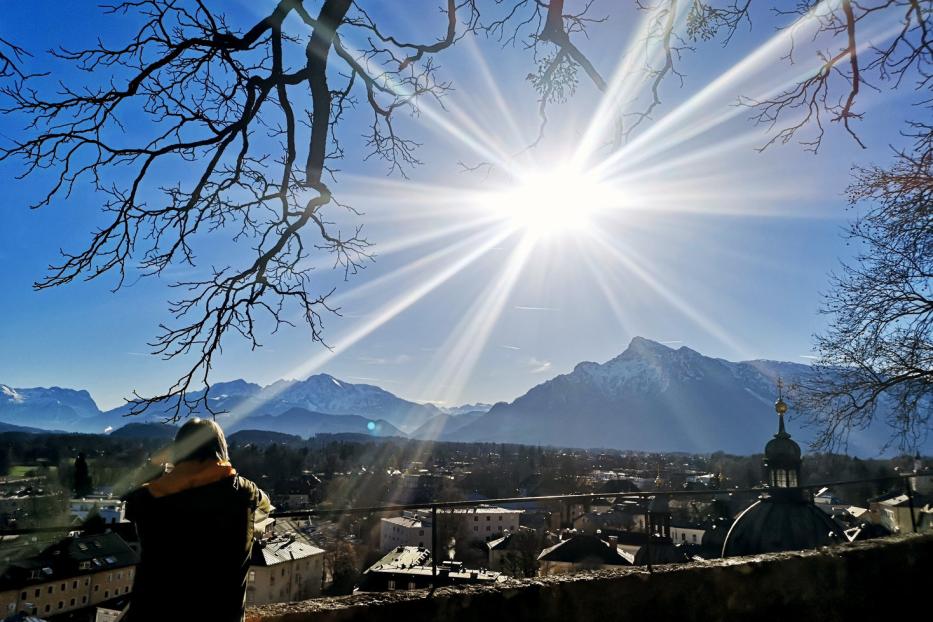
point(780, 406)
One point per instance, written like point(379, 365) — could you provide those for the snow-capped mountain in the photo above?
point(52, 408)
point(652, 397)
point(75, 411)
point(325, 394)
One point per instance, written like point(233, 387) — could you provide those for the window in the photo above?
point(489, 518)
point(50, 589)
point(500, 519)
point(476, 518)
point(83, 599)
point(106, 594)
point(391, 585)
point(252, 576)
point(61, 604)
point(475, 528)
point(74, 585)
point(64, 585)
point(38, 591)
point(488, 528)
point(73, 602)
point(48, 608)
point(96, 588)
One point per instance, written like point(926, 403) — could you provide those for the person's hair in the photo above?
point(200, 439)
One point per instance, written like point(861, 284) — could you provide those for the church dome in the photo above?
point(781, 522)
point(782, 449)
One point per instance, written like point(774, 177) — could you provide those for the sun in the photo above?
point(548, 203)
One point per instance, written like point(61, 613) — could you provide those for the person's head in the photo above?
point(198, 440)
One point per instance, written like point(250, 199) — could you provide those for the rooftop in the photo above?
point(404, 521)
point(69, 558)
point(281, 549)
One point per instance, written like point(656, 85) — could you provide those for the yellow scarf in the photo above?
point(189, 474)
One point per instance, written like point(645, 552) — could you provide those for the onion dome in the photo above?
point(784, 519)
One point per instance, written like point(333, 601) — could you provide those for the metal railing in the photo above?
point(563, 499)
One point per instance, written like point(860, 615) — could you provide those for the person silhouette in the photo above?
point(195, 524)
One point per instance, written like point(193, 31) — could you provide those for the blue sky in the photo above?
point(731, 249)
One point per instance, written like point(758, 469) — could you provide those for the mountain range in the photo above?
point(651, 397)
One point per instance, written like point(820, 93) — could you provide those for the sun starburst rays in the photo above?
point(582, 202)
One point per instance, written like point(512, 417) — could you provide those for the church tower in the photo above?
point(784, 518)
point(782, 453)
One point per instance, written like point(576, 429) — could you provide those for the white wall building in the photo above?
point(476, 523)
point(284, 569)
point(687, 534)
point(110, 510)
point(406, 530)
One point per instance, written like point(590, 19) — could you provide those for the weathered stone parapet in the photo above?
point(846, 582)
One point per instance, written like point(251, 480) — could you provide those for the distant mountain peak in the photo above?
point(11, 393)
point(642, 343)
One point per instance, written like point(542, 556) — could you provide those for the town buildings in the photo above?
point(582, 552)
point(410, 568)
point(75, 573)
point(479, 523)
point(284, 569)
point(110, 510)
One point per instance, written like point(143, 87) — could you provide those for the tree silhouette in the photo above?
point(83, 484)
point(252, 113)
point(878, 350)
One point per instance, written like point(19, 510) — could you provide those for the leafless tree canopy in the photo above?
point(878, 351)
point(251, 115)
point(254, 113)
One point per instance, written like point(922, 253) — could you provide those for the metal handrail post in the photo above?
point(434, 542)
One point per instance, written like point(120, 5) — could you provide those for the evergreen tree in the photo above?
point(83, 486)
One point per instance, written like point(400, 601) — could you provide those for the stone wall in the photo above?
point(848, 582)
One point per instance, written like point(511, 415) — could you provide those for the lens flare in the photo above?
point(551, 203)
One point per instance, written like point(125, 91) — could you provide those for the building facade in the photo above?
point(284, 569)
point(111, 511)
point(480, 523)
point(73, 574)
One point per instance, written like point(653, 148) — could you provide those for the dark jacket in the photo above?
point(195, 550)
